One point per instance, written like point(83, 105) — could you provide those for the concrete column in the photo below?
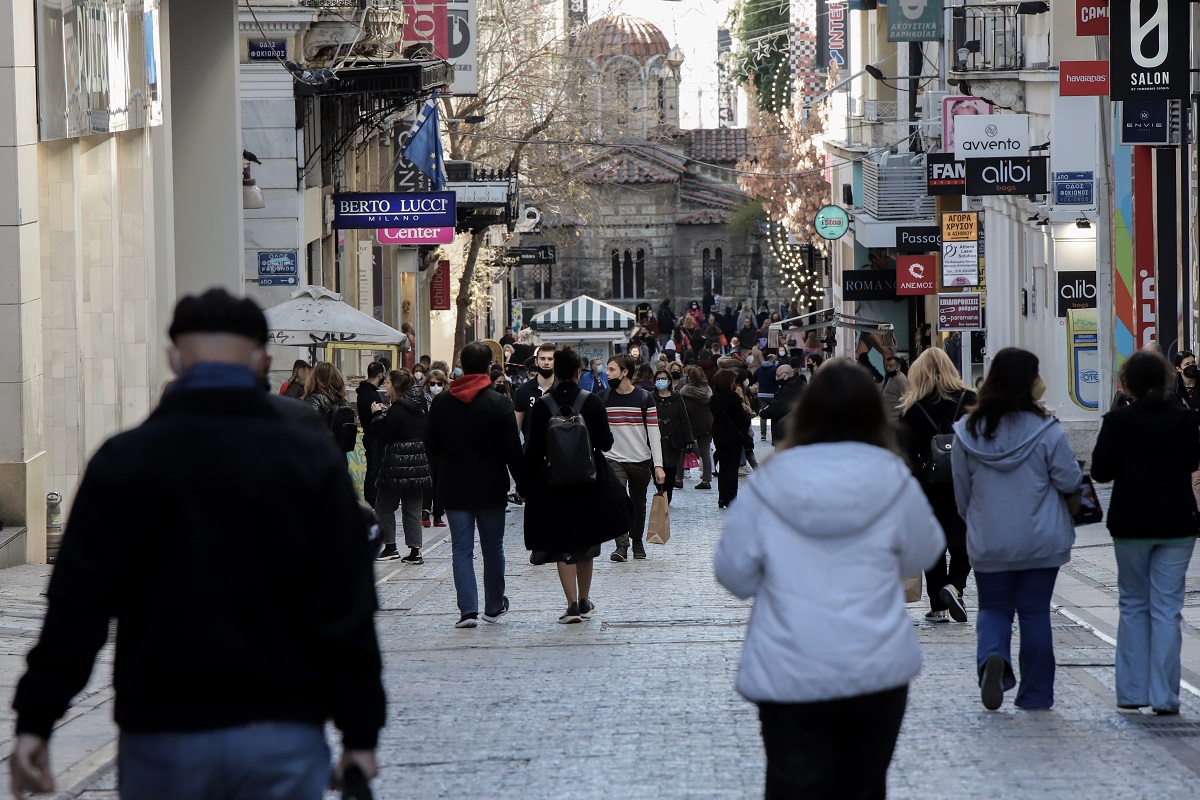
point(206, 137)
point(22, 459)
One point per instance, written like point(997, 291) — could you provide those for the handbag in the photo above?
point(691, 461)
point(658, 530)
point(938, 468)
point(912, 589)
point(1084, 504)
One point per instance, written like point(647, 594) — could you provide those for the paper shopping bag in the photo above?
point(912, 589)
point(659, 529)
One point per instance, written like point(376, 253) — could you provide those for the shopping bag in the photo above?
point(659, 529)
point(691, 461)
point(912, 589)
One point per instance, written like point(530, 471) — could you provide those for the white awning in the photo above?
point(583, 314)
point(316, 316)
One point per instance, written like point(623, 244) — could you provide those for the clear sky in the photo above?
point(691, 24)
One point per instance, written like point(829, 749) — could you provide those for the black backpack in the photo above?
point(568, 444)
point(938, 470)
point(340, 419)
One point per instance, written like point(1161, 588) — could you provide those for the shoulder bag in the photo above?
point(941, 446)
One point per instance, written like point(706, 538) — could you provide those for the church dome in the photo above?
point(620, 35)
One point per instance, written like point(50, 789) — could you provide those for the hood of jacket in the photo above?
point(1016, 437)
point(821, 508)
point(413, 398)
point(468, 387)
point(701, 393)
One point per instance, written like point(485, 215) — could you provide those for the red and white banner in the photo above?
point(414, 235)
point(1091, 17)
point(439, 287)
point(1083, 78)
point(428, 26)
point(916, 274)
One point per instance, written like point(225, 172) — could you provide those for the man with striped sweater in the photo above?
point(636, 454)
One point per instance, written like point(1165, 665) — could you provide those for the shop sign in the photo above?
point(439, 287)
point(944, 175)
point(267, 49)
point(994, 135)
point(1145, 122)
point(277, 262)
point(414, 235)
point(831, 222)
point(833, 35)
point(1091, 17)
point(869, 284)
point(919, 239)
point(1074, 188)
point(464, 30)
point(915, 21)
point(916, 275)
point(960, 248)
point(1076, 289)
point(1011, 175)
point(1149, 48)
point(363, 210)
point(960, 226)
point(426, 29)
point(1083, 78)
point(960, 312)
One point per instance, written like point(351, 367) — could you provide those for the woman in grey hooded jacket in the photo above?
point(1013, 470)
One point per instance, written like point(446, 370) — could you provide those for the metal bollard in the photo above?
point(53, 525)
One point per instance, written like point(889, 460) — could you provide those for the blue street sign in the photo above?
point(277, 262)
point(1074, 176)
point(371, 211)
point(267, 49)
point(1074, 193)
point(278, 280)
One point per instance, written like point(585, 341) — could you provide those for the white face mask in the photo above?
point(435, 390)
point(746, 382)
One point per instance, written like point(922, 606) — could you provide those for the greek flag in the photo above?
point(424, 149)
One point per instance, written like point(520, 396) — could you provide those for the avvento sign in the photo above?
point(993, 135)
point(1019, 175)
point(1149, 48)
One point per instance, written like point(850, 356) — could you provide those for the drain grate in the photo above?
point(676, 623)
point(1065, 626)
point(1171, 730)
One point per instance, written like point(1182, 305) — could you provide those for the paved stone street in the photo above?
point(638, 703)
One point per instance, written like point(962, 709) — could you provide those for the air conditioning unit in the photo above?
point(931, 106)
point(1002, 48)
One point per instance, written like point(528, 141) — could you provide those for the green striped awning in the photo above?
point(583, 313)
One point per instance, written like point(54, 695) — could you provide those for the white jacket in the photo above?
point(821, 537)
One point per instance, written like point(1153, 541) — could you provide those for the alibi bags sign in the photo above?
point(1010, 175)
point(1149, 48)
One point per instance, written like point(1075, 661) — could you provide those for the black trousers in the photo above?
point(669, 486)
point(374, 455)
point(834, 749)
point(729, 457)
point(940, 575)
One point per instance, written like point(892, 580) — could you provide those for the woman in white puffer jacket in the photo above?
point(821, 538)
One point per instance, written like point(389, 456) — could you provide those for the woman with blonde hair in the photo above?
point(934, 401)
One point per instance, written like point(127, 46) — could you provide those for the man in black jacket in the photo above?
point(471, 438)
point(225, 667)
point(786, 396)
point(368, 395)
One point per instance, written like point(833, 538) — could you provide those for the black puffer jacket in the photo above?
point(401, 429)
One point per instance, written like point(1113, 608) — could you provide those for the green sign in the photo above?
point(914, 21)
point(832, 222)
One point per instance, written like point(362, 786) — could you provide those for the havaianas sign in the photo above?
point(393, 210)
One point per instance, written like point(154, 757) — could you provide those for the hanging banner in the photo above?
point(426, 30)
point(464, 30)
point(915, 21)
point(1091, 17)
point(439, 287)
point(916, 275)
point(1008, 175)
point(960, 312)
point(960, 248)
point(1083, 79)
point(995, 135)
point(1149, 48)
point(393, 210)
point(833, 35)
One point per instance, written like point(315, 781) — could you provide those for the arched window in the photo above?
point(629, 273)
point(713, 262)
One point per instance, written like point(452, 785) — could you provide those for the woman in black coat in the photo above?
point(404, 474)
point(935, 399)
point(566, 524)
point(674, 427)
point(1149, 450)
point(731, 431)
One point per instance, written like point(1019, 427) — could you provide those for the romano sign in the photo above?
point(993, 135)
point(869, 284)
point(1148, 44)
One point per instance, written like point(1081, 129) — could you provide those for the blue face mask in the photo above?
point(661, 383)
point(457, 373)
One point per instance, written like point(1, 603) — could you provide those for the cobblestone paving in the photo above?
point(638, 703)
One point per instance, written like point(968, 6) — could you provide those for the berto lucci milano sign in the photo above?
point(393, 210)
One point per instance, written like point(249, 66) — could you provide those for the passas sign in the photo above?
point(919, 239)
point(994, 135)
point(1014, 175)
point(916, 275)
point(1149, 48)
point(393, 210)
point(945, 176)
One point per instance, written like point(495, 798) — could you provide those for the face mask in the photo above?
point(675, 376)
point(420, 376)
point(1191, 371)
point(457, 373)
point(746, 382)
point(435, 390)
point(545, 373)
point(499, 389)
point(783, 353)
point(661, 384)
point(1039, 388)
point(598, 368)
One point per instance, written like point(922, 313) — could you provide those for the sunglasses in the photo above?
point(437, 383)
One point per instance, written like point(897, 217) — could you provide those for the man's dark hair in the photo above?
point(567, 363)
point(1144, 375)
point(547, 347)
point(476, 358)
point(796, 362)
point(375, 369)
point(424, 360)
point(724, 379)
point(217, 311)
point(816, 358)
point(1180, 356)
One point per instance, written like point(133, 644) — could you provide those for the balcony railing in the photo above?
point(988, 38)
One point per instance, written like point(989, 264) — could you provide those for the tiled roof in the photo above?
point(712, 195)
point(620, 35)
point(628, 168)
point(709, 216)
point(722, 145)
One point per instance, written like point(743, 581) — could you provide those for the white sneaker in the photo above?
point(745, 470)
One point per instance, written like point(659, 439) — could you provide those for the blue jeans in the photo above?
point(283, 760)
point(1150, 579)
point(491, 543)
point(1026, 592)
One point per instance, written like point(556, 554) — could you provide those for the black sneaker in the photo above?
point(388, 553)
point(991, 683)
point(705, 485)
point(413, 557)
point(953, 602)
point(468, 621)
point(587, 609)
point(571, 616)
point(496, 617)
point(639, 550)
point(619, 555)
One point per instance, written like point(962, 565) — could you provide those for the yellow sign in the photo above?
point(960, 226)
